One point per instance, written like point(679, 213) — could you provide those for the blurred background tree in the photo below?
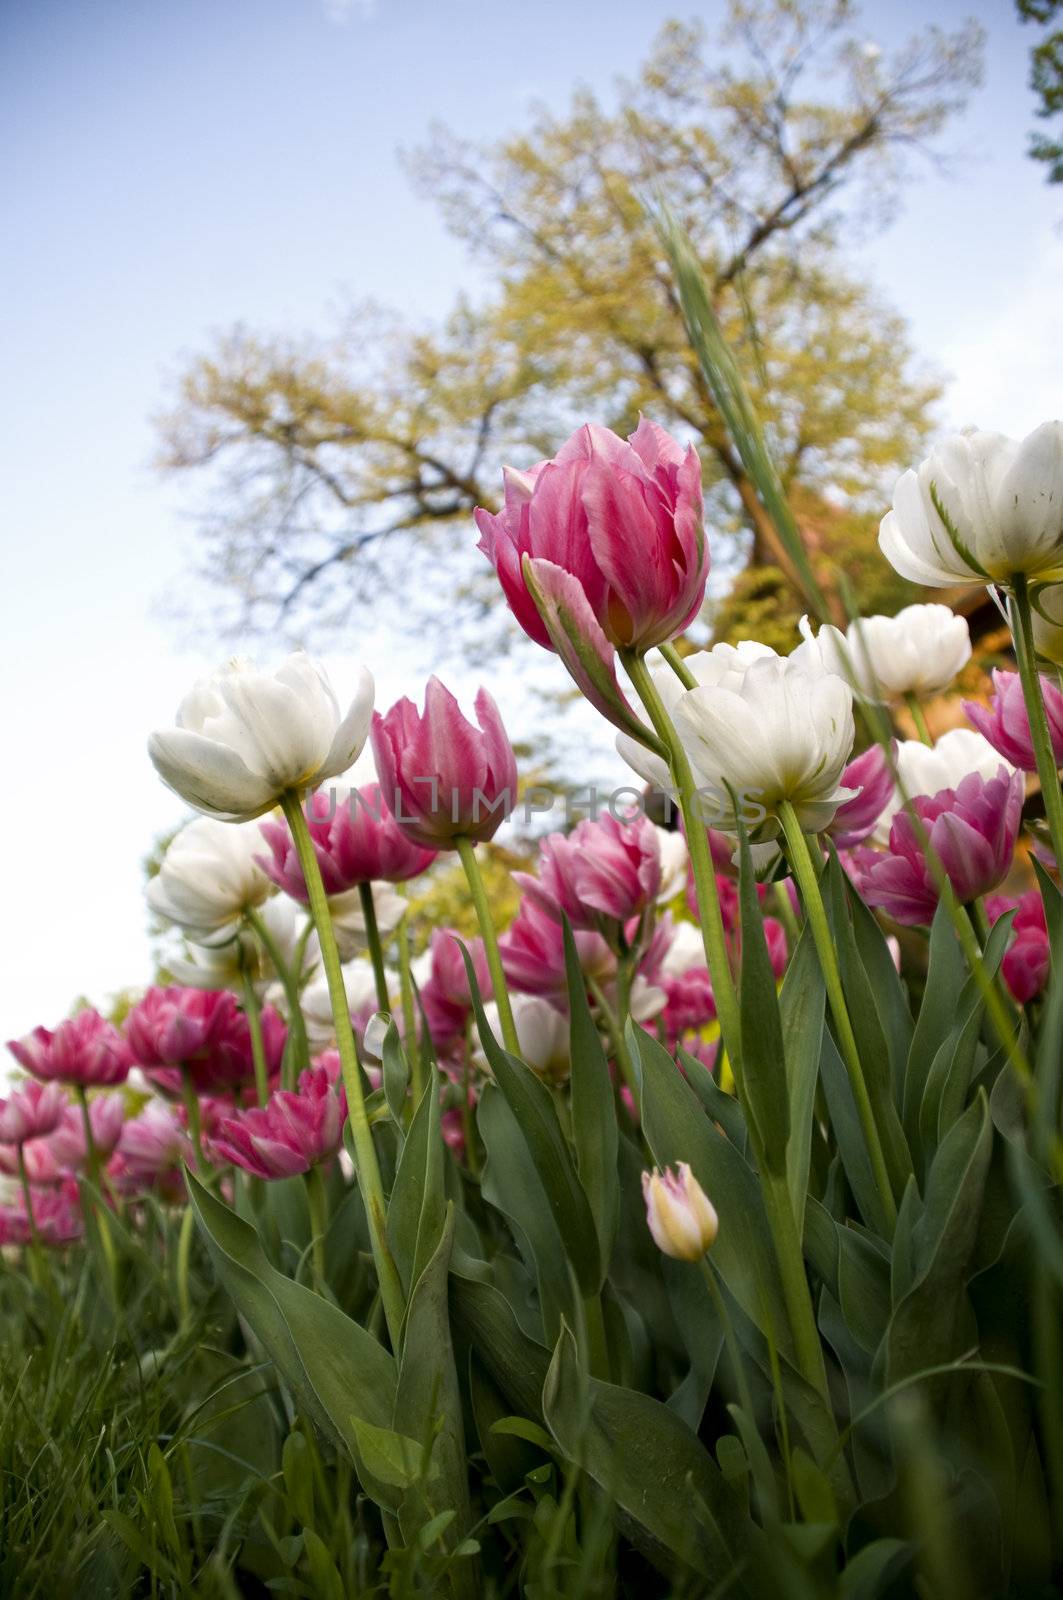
point(1046, 81)
point(325, 463)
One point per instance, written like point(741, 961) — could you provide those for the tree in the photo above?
point(321, 456)
point(1046, 81)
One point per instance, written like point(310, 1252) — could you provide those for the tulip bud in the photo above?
point(680, 1215)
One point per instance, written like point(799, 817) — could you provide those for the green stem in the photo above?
point(784, 907)
point(738, 1367)
point(317, 1202)
point(258, 1049)
point(92, 1156)
point(678, 666)
point(1026, 656)
point(297, 1051)
point(712, 930)
point(815, 911)
point(376, 949)
point(915, 711)
point(364, 1149)
point(184, 1264)
point(27, 1197)
point(409, 1013)
point(195, 1125)
point(467, 852)
point(808, 1347)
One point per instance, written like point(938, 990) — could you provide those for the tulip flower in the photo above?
point(624, 520)
point(56, 1219)
point(871, 779)
point(675, 862)
point(43, 1167)
point(685, 980)
point(1005, 722)
point(917, 652)
point(244, 737)
point(290, 1134)
point(444, 986)
point(971, 830)
point(981, 506)
point(85, 1049)
point(209, 879)
point(681, 1217)
point(106, 1119)
point(170, 1027)
point(356, 840)
point(783, 734)
point(1048, 624)
point(722, 667)
point(542, 1034)
point(153, 1144)
point(360, 986)
point(443, 778)
point(31, 1111)
point(927, 769)
point(1028, 957)
point(603, 870)
point(226, 1060)
point(533, 953)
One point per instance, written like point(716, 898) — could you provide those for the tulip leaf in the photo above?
point(849, 1136)
point(535, 1116)
point(952, 1069)
point(417, 1205)
point(931, 1324)
point(677, 1129)
point(801, 1007)
point(516, 1364)
point(594, 1128)
point(720, 1106)
point(512, 1183)
point(428, 1407)
point(396, 1074)
point(335, 1367)
point(650, 1465)
point(764, 1090)
point(945, 978)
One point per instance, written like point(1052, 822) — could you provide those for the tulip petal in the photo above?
point(210, 776)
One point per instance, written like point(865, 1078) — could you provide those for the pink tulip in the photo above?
point(533, 954)
point(43, 1168)
point(288, 1135)
point(971, 829)
point(176, 1025)
point(869, 774)
point(56, 1218)
point(31, 1111)
point(1028, 956)
point(356, 840)
point(442, 777)
point(84, 1049)
point(624, 520)
point(1005, 722)
point(445, 995)
point(106, 1120)
point(603, 869)
point(152, 1144)
point(225, 1059)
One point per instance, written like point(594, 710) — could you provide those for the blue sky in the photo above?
point(174, 167)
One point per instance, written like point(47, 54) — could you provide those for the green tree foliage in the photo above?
point(324, 460)
point(1046, 81)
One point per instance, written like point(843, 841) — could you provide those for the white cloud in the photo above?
point(1005, 372)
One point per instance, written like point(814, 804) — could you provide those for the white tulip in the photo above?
point(209, 878)
point(542, 1033)
point(674, 858)
point(981, 506)
point(783, 733)
point(724, 666)
point(1048, 624)
point(222, 966)
point(348, 920)
point(686, 953)
point(927, 769)
point(918, 651)
point(360, 985)
point(245, 737)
